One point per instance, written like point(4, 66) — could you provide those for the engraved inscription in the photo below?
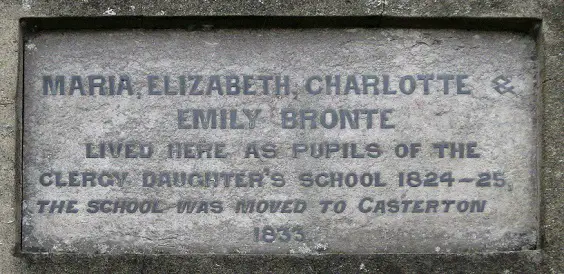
point(279, 141)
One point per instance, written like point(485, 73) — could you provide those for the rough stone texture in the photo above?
point(549, 259)
point(501, 125)
point(449, 8)
point(552, 164)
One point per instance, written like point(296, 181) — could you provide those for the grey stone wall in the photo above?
point(547, 259)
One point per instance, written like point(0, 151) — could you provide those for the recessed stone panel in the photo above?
point(297, 141)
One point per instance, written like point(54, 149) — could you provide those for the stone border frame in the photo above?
point(29, 26)
point(548, 258)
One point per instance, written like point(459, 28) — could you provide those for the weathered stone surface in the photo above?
point(453, 8)
point(547, 259)
point(497, 128)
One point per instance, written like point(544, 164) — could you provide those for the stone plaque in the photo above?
point(285, 141)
